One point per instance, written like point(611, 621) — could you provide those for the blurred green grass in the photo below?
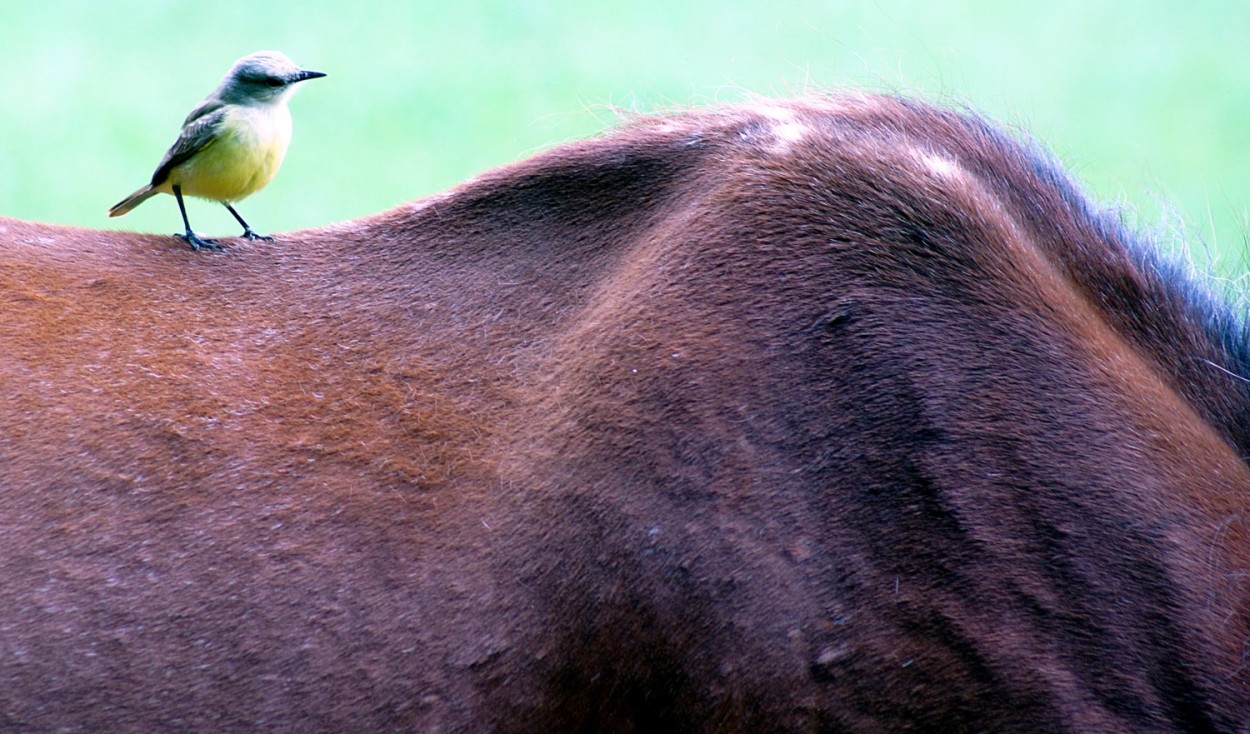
point(1146, 102)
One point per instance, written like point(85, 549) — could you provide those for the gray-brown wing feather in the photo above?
point(198, 132)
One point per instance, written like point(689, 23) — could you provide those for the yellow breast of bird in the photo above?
point(246, 154)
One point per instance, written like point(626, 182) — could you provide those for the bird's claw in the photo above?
point(249, 234)
point(199, 243)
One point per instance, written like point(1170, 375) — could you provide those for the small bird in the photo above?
point(231, 144)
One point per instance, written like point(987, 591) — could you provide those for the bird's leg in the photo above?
point(247, 231)
point(191, 238)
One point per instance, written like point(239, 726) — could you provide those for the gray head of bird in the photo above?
point(265, 76)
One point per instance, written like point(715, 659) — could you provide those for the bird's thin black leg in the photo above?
point(247, 231)
point(191, 238)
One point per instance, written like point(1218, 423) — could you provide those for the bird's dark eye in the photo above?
point(274, 81)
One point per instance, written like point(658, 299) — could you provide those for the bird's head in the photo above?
point(265, 76)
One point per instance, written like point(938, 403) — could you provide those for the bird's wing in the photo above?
point(198, 132)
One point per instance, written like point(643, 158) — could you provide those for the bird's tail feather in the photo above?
point(132, 201)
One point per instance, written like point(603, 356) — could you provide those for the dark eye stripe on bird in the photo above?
point(231, 144)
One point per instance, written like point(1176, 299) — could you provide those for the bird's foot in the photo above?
point(249, 234)
point(199, 243)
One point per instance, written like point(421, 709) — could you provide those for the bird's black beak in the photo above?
point(306, 74)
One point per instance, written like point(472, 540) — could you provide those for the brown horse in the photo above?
point(844, 414)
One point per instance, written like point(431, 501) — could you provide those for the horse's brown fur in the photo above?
point(841, 414)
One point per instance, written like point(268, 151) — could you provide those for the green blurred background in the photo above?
point(1147, 102)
